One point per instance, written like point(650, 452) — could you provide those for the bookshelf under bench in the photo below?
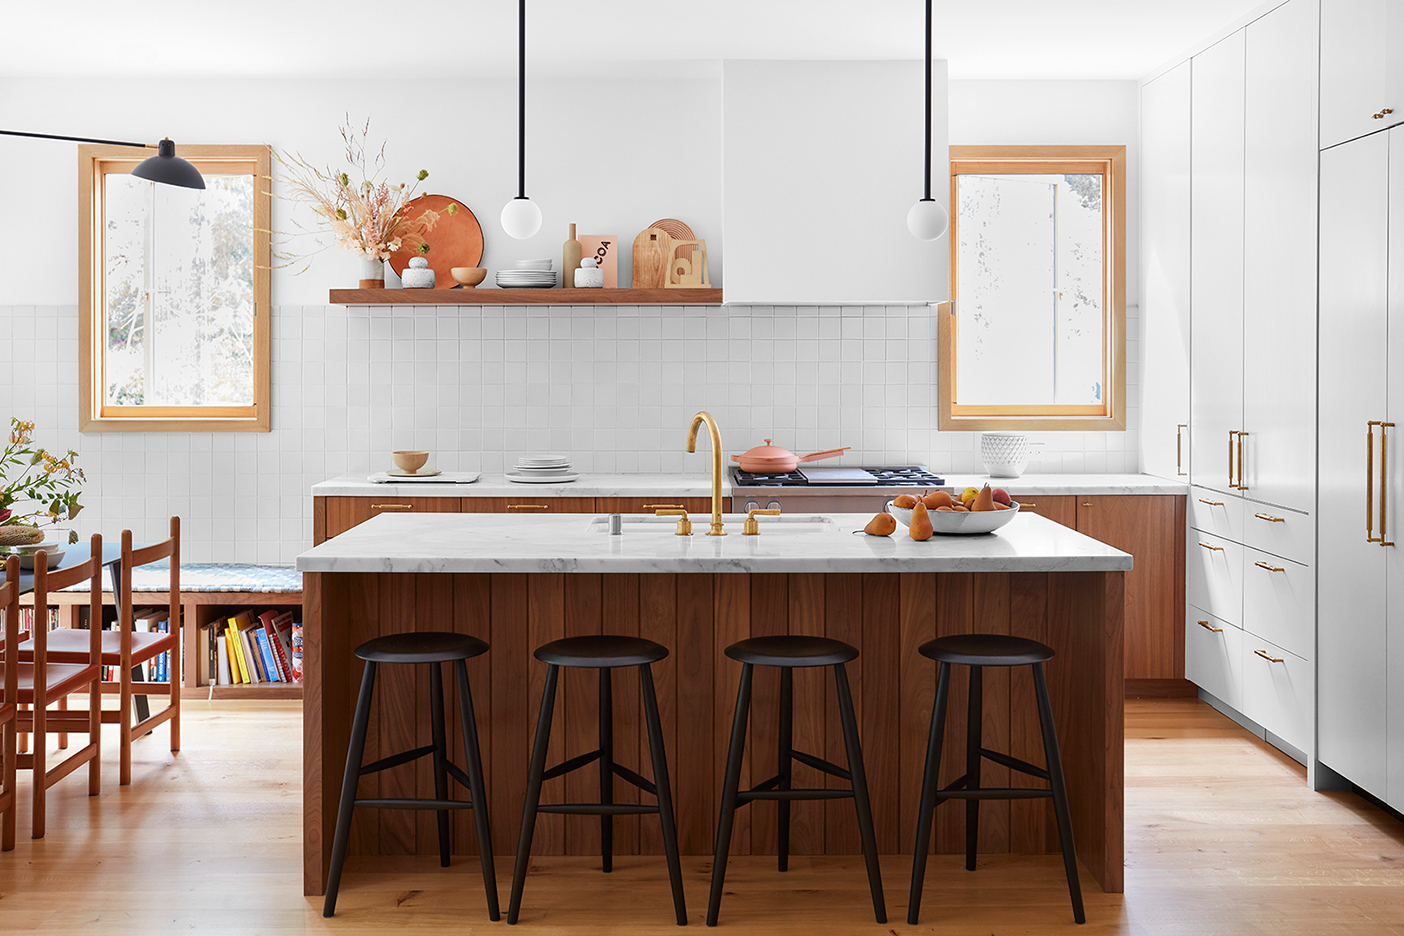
point(210, 593)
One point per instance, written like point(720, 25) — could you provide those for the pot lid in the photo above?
point(768, 451)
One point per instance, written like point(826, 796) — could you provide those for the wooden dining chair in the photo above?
point(9, 609)
point(39, 681)
point(125, 648)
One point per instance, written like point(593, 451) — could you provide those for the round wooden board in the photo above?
point(455, 241)
point(676, 229)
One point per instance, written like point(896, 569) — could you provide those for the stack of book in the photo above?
point(250, 651)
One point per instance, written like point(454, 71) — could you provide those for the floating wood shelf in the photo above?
point(691, 296)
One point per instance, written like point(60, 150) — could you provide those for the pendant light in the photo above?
point(165, 167)
point(520, 216)
point(927, 219)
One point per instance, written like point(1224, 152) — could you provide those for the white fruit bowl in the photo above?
point(959, 522)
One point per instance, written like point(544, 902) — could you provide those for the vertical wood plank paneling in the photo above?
point(433, 612)
point(583, 602)
point(696, 658)
point(843, 620)
point(472, 615)
point(733, 600)
point(398, 702)
point(546, 622)
point(882, 711)
point(1030, 821)
point(955, 609)
point(620, 615)
point(916, 625)
point(807, 613)
point(509, 707)
point(770, 612)
point(360, 591)
point(658, 621)
point(991, 616)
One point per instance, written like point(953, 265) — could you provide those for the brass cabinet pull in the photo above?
point(1207, 546)
point(662, 506)
point(1024, 506)
point(1264, 565)
point(1232, 483)
point(1179, 470)
point(528, 506)
point(1207, 626)
point(1382, 113)
point(1370, 481)
point(1242, 469)
point(1211, 503)
point(392, 506)
point(1270, 659)
point(1270, 519)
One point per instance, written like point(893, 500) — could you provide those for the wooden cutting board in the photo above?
point(652, 250)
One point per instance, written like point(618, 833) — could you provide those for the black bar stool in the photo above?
point(788, 652)
point(434, 648)
point(601, 652)
point(978, 651)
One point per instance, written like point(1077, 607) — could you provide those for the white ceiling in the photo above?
point(433, 38)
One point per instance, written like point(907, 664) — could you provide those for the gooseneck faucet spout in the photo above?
point(698, 420)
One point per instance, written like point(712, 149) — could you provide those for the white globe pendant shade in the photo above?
point(521, 218)
point(927, 220)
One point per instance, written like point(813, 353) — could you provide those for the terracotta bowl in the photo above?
point(469, 276)
point(409, 461)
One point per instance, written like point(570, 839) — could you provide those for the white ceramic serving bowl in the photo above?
point(959, 522)
point(1005, 454)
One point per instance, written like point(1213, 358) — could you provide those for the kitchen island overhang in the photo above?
point(520, 581)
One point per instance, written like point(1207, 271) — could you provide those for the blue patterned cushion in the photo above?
point(213, 577)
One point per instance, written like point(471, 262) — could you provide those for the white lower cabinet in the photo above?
point(1214, 656)
point(1216, 513)
point(1279, 601)
point(1214, 572)
point(1278, 691)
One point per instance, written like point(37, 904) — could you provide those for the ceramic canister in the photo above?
point(418, 275)
point(589, 276)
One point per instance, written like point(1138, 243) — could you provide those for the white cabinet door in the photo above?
point(1351, 572)
point(1214, 656)
point(1394, 483)
point(1216, 251)
point(1214, 576)
point(1353, 69)
point(1279, 257)
point(1277, 691)
point(1165, 273)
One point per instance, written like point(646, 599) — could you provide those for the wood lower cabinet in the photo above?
point(336, 515)
point(1060, 508)
point(528, 505)
point(631, 505)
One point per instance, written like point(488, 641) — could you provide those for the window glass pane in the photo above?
point(178, 292)
point(1029, 327)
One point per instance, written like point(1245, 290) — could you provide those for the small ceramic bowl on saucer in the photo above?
point(408, 463)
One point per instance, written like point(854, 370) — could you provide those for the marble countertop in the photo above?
point(792, 543)
point(650, 485)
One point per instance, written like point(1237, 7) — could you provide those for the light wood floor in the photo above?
point(1222, 837)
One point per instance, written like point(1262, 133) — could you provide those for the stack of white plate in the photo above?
point(542, 469)
point(528, 274)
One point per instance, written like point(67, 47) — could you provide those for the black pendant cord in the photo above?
point(928, 101)
point(72, 139)
point(521, 99)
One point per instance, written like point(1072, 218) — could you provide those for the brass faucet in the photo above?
point(684, 523)
point(699, 419)
point(752, 527)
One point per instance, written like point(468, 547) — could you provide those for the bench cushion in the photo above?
point(213, 577)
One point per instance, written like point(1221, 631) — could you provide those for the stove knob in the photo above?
point(750, 506)
point(773, 505)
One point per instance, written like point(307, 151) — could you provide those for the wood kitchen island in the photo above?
point(518, 582)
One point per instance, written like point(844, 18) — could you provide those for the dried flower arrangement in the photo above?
point(49, 484)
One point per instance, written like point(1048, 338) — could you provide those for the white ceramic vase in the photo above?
point(372, 273)
point(1005, 454)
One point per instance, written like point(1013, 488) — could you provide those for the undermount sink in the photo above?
point(782, 525)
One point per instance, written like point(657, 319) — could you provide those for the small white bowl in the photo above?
point(959, 522)
point(53, 554)
point(543, 265)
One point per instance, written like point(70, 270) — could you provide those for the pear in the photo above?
point(904, 500)
point(937, 499)
point(983, 500)
point(920, 528)
point(884, 524)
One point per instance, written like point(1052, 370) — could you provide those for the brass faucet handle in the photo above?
point(751, 527)
point(684, 524)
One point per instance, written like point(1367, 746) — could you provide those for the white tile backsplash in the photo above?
point(614, 387)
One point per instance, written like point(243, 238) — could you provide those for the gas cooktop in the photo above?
point(903, 476)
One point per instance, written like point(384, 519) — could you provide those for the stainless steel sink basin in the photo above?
point(782, 525)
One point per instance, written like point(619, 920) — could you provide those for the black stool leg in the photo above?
point(1060, 791)
point(606, 768)
point(860, 791)
point(929, 783)
point(354, 753)
point(974, 722)
point(787, 770)
point(436, 717)
point(533, 793)
point(665, 791)
point(729, 793)
point(476, 788)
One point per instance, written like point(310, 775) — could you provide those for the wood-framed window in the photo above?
point(174, 294)
point(1035, 337)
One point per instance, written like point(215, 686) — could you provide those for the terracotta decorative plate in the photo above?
point(455, 241)
point(676, 229)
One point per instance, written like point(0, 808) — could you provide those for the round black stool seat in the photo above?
point(791, 650)
point(421, 647)
point(601, 651)
point(986, 650)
